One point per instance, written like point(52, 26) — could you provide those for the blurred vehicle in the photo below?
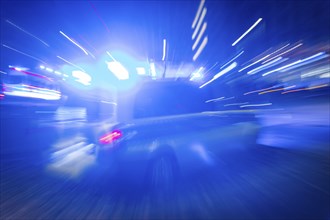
point(162, 131)
point(20, 88)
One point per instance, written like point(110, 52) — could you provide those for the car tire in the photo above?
point(163, 176)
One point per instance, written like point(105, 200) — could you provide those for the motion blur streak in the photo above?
point(200, 21)
point(200, 7)
point(287, 51)
point(199, 36)
point(25, 54)
point(267, 65)
point(232, 104)
point(164, 49)
point(214, 100)
point(309, 88)
point(305, 61)
point(253, 63)
point(255, 105)
point(232, 59)
point(308, 60)
point(75, 43)
point(246, 32)
point(259, 90)
point(25, 91)
point(28, 33)
point(222, 72)
point(317, 71)
point(68, 62)
point(276, 90)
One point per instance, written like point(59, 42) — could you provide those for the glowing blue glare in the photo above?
point(141, 70)
point(197, 75)
point(82, 77)
point(118, 70)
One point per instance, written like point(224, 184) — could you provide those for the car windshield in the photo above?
point(163, 99)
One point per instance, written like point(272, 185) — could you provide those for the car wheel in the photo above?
point(162, 175)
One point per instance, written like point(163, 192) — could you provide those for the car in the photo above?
point(164, 131)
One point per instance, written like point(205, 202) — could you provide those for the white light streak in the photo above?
point(42, 67)
point(35, 58)
point(259, 90)
point(308, 60)
point(280, 49)
point(67, 37)
point(200, 7)
point(222, 72)
point(305, 61)
point(233, 104)
point(325, 75)
point(200, 49)
point(246, 32)
point(256, 105)
point(28, 33)
point(292, 48)
point(111, 56)
point(317, 71)
point(226, 70)
point(57, 72)
point(199, 36)
point(232, 59)
point(283, 67)
point(70, 63)
point(214, 100)
point(199, 23)
point(164, 49)
point(267, 65)
point(261, 59)
point(49, 70)
point(34, 94)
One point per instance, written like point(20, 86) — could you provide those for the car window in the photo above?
point(164, 100)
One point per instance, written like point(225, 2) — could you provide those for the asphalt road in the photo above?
point(44, 154)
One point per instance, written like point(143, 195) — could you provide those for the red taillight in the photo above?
point(108, 138)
